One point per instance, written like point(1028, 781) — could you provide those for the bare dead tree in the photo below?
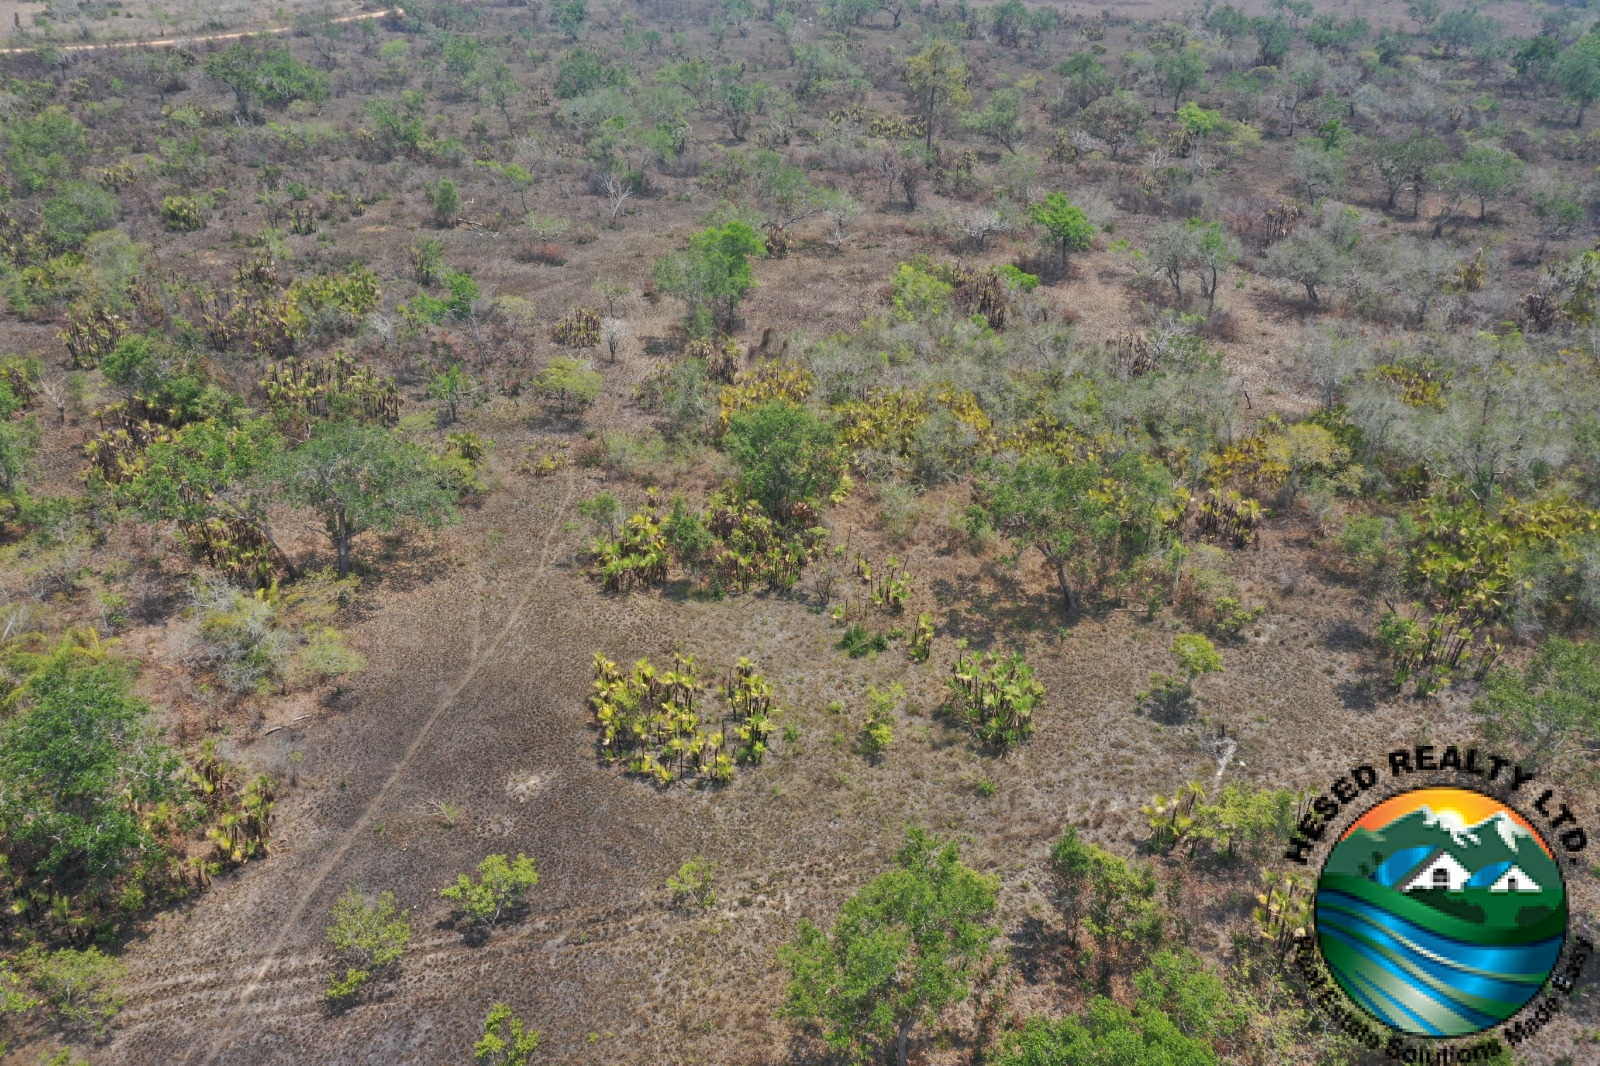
point(618, 189)
point(614, 331)
point(57, 394)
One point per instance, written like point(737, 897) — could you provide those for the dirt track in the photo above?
point(169, 42)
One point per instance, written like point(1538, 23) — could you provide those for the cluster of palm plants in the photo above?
point(90, 335)
point(266, 324)
point(996, 697)
point(116, 453)
point(891, 587)
point(236, 549)
point(1283, 911)
point(737, 546)
point(1464, 562)
point(336, 386)
point(920, 645)
point(1241, 820)
point(750, 700)
point(753, 548)
point(653, 719)
point(580, 329)
point(637, 557)
point(240, 816)
point(766, 381)
point(887, 420)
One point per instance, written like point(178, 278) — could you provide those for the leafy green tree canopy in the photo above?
point(1577, 71)
point(903, 949)
point(1069, 229)
point(785, 455)
point(714, 274)
point(270, 76)
point(76, 761)
point(362, 477)
point(1550, 709)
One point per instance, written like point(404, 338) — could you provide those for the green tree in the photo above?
point(18, 442)
point(367, 940)
point(569, 384)
point(460, 57)
point(1107, 1033)
point(1068, 228)
point(714, 275)
point(581, 72)
point(1274, 39)
point(1534, 60)
point(451, 386)
point(1084, 79)
point(1550, 709)
point(502, 883)
point(78, 210)
point(1213, 251)
point(362, 477)
point(1229, 23)
point(1402, 161)
point(1196, 655)
point(695, 880)
point(937, 78)
point(1487, 173)
point(445, 200)
point(1049, 505)
point(1116, 119)
point(1109, 899)
point(904, 948)
point(77, 761)
point(43, 148)
point(1179, 71)
point(1180, 1010)
point(271, 76)
point(1001, 121)
point(1464, 29)
point(1425, 12)
point(739, 103)
point(785, 455)
point(569, 16)
point(492, 78)
point(210, 470)
point(506, 1041)
point(1309, 259)
point(1577, 71)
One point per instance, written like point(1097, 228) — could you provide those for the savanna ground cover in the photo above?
point(595, 521)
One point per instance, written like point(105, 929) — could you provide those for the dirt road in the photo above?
point(8, 10)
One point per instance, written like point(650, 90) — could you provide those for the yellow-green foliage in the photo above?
point(753, 549)
point(877, 732)
point(766, 381)
point(653, 719)
point(338, 301)
point(637, 557)
point(1242, 819)
point(887, 420)
point(367, 940)
point(995, 696)
point(181, 213)
point(336, 386)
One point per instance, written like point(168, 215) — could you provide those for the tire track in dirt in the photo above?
point(206, 985)
point(348, 839)
point(169, 42)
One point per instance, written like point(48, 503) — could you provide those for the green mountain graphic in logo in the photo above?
point(1440, 928)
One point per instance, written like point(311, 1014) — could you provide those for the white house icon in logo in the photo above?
point(1441, 871)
